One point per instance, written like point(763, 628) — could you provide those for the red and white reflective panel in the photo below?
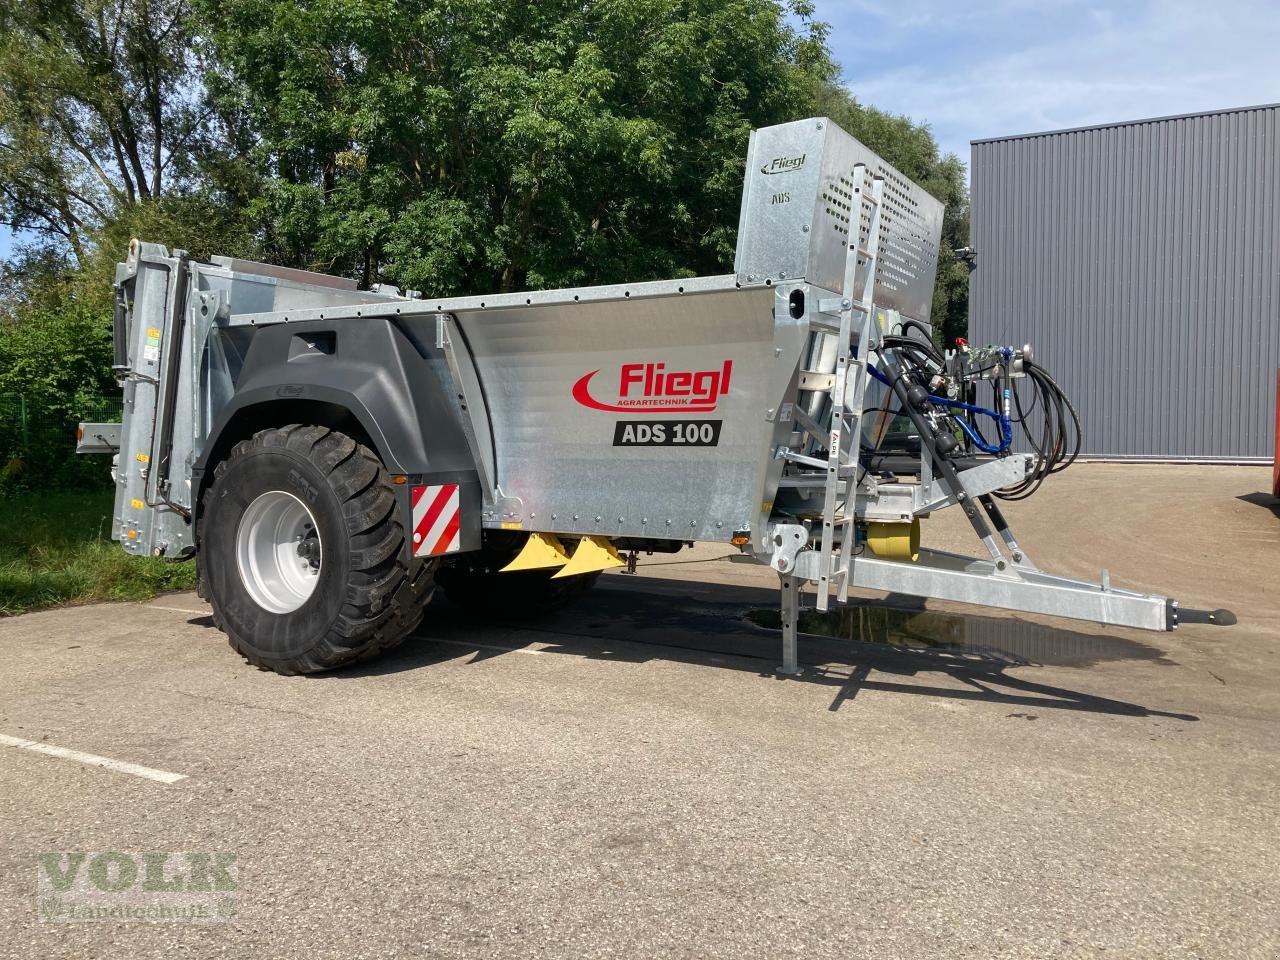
point(437, 516)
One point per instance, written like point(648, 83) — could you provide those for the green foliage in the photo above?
point(495, 145)
point(34, 277)
point(200, 222)
point(56, 356)
point(55, 370)
point(54, 549)
point(100, 108)
point(456, 147)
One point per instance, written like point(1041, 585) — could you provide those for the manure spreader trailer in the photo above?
point(329, 454)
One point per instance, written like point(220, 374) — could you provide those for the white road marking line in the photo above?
point(120, 766)
point(156, 606)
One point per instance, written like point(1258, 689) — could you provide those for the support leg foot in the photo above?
point(790, 621)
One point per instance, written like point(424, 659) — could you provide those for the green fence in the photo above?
point(38, 441)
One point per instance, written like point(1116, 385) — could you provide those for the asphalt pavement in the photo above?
point(629, 778)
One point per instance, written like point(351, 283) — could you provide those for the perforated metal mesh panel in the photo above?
point(797, 216)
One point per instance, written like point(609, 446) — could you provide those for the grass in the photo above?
point(54, 549)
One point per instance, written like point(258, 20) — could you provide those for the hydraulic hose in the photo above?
point(1005, 423)
point(1049, 422)
point(929, 441)
point(1058, 438)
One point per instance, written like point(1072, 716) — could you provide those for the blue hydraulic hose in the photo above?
point(1006, 425)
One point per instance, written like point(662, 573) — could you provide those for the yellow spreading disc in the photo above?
point(541, 550)
point(895, 541)
point(593, 554)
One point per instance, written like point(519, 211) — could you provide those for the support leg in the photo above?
point(790, 621)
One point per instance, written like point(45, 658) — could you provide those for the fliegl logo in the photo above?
point(650, 387)
point(783, 164)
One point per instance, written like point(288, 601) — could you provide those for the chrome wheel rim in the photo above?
point(278, 552)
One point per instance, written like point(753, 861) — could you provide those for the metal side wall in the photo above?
point(644, 415)
point(646, 410)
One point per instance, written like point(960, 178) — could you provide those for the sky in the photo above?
point(985, 68)
point(974, 69)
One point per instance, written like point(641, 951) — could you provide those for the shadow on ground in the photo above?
point(1265, 500)
point(644, 619)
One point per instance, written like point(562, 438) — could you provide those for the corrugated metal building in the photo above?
point(1142, 260)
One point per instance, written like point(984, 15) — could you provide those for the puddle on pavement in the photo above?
point(1003, 640)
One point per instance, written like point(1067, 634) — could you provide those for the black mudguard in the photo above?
point(373, 371)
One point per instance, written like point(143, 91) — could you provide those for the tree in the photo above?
point(495, 145)
point(55, 369)
point(100, 110)
point(454, 147)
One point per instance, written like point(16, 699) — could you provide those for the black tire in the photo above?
point(367, 596)
point(473, 582)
